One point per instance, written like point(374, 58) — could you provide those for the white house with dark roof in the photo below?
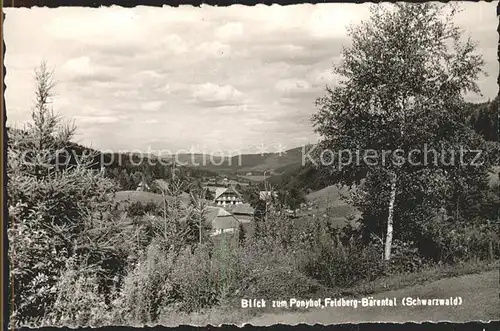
point(227, 196)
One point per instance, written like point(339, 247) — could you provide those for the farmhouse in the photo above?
point(222, 221)
point(227, 196)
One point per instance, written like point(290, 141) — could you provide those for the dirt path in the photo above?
point(479, 293)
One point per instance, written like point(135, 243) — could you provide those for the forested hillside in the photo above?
point(483, 118)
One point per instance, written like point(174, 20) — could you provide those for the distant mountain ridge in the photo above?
point(245, 163)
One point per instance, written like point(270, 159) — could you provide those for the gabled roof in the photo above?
point(221, 219)
point(222, 190)
point(243, 208)
point(219, 191)
point(214, 212)
point(233, 189)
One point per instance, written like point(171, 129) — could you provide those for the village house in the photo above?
point(227, 196)
point(222, 221)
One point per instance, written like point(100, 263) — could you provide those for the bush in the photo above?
point(271, 271)
point(78, 299)
point(453, 241)
point(138, 208)
point(34, 268)
point(345, 266)
point(405, 258)
point(194, 279)
point(147, 287)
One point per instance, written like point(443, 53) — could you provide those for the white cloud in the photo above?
point(150, 121)
point(119, 22)
point(152, 106)
point(331, 21)
point(83, 69)
point(215, 93)
point(214, 48)
point(96, 119)
point(175, 44)
point(290, 86)
point(231, 30)
point(79, 66)
point(246, 72)
point(93, 111)
point(323, 77)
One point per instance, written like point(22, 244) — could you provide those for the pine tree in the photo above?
point(54, 211)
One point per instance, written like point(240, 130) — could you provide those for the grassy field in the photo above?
point(330, 193)
point(144, 197)
point(255, 178)
point(328, 201)
point(138, 196)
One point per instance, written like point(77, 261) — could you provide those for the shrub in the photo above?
point(78, 299)
point(271, 271)
point(345, 266)
point(194, 280)
point(138, 208)
point(147, 287)
point(405, 258)
point(337, 257)
point(453, 241)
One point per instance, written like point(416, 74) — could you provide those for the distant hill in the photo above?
point(332, 193)
point(306, 177)
point(257, 164)
point(329, 201)
point(483, 119)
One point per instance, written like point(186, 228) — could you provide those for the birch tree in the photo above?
point(403, 80)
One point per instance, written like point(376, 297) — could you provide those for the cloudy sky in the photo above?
point(201, 79)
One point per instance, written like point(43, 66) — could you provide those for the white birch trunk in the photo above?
point(390, 219)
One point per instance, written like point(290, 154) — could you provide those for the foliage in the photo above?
point(79, 300)
point(404, 77)
point(138, 208)
point(52, 207)
point(484, 119)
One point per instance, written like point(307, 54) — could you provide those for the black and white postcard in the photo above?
point(310, 163)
